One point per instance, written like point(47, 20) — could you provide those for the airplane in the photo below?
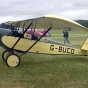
point(38, 33)
point(14, 41)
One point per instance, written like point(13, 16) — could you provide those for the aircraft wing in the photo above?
point(57, 23)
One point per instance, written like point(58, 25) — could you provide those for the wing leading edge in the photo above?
point(57, 23)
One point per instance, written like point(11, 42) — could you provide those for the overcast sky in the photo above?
point(13, 10)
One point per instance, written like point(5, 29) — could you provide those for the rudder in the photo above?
point(85, 45)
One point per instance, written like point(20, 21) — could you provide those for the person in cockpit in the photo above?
point(33, 36)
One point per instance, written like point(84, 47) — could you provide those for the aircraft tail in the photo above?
point(85, 45)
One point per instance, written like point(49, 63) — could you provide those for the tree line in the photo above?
point(4, 25)
point(82, 22)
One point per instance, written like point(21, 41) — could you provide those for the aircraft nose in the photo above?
point(3, 32)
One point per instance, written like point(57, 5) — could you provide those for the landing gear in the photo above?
point(12, 60)
point(6, 53)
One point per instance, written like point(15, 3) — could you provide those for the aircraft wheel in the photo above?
point(5, 53)
point(12, 60)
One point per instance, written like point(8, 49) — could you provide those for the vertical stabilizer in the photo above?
point(85, 45)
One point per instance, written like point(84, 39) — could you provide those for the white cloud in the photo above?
point(26, 9)
point(75, 14)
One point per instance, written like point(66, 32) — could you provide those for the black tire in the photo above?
point(12, 60)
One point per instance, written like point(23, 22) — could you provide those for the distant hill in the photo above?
point(82, 22)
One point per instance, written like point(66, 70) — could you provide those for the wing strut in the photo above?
point(23, 34)
point(38, 39)
point(12, 28)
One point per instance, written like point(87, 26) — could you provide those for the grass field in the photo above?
point(48, 71)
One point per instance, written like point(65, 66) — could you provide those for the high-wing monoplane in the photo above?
point(15, 42)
